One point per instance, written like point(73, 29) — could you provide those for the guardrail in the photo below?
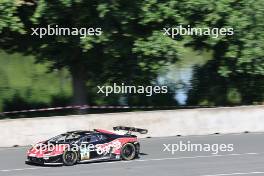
point(201, 121)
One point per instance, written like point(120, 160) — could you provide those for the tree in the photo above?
point(237, 64)
point(133, 40)
point(116, 55)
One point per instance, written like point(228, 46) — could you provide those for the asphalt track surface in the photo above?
point(246, 159)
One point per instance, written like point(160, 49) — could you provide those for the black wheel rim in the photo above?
point(69, 157)
point(128, 151)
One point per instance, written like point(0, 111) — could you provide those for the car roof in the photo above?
point(103, 131)
point(95, 131)
point(80, 132)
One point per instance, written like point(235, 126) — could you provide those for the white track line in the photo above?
point(146, 160)
point(22, 169)
point(193, 157)
point(238, 173)
point(13, 148)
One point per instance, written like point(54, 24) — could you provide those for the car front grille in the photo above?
point(36, 160)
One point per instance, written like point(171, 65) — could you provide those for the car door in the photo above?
point(84, 148)
point(97, 139)
point(88, 145)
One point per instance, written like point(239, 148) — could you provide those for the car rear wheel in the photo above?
point(69, 158)
point(128, 151)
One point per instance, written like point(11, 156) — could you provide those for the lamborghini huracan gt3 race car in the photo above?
point(82, 146)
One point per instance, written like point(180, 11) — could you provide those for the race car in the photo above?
point(87, 146)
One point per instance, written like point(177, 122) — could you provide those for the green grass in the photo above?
point(21, 77)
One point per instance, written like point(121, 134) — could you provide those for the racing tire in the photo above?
point(137, 150)
point(128, 152)
point(69, 158)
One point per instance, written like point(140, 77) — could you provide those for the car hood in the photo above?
point(45, 149)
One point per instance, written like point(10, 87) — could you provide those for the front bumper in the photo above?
point(46, 160)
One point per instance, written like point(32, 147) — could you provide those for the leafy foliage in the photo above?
point(132, 48)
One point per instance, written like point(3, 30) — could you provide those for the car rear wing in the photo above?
point(130, 129)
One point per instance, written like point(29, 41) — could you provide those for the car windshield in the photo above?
point(67, 137)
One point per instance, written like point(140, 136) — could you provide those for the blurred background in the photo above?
point(200, 71)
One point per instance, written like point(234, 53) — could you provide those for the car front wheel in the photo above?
point(69, 158)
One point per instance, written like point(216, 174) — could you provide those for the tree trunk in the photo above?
point(79, 89)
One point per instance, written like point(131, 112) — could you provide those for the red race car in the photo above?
point(86, 146)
